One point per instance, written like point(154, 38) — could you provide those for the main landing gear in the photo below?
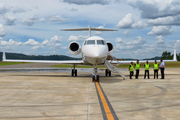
point(95, 77)
point(74, 71)
point(107, 72)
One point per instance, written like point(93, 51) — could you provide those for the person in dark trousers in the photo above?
point(156, 68)
point(137, 67)
point(131, 70)
point(146, 65)
point(162, 67)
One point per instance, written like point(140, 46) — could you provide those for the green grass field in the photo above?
point(10, 63)
point(167, 64)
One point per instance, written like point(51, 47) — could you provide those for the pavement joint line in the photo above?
point(106, 108)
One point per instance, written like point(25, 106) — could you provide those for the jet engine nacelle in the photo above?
point(74, 48)
point(110, 47)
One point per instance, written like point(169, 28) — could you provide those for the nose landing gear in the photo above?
point(95, 77)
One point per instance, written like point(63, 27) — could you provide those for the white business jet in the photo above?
point(94, 52)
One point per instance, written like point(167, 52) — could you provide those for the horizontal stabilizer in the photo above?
point(87, 29)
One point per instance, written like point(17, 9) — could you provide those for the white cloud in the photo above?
point(37, 47)
point(56, 39)
point(4, 9)
point(119, 40)
point(42, 20)
point(138, 43)
point(156, 8)
point(31, 42)
point(169, 20)
point(57, 18)
point(139, 25)
point(30, 20)
point(77, 38)
point(177, 45)
point(87, 2)
point(10, 20)
point(161, 30)
point(99, 32)
point(160, 39)
point(45, 42)
point(126, 32)
point(126, 22)
point(19, 9)
point(3, 32)
point(11, 42)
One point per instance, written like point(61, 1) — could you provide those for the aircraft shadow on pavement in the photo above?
point(103, 79)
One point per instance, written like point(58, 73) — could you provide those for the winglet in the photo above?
point(3, 56)
point(175, 57)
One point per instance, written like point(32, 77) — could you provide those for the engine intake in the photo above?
point(74, 48)
point(110, 47)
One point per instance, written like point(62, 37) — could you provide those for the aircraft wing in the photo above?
point(43, 61)
point(143, 61)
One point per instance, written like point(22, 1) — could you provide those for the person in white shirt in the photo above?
point(162, 67)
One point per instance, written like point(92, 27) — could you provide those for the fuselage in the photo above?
point(94, 50)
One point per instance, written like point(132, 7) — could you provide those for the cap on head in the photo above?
point(131, 62)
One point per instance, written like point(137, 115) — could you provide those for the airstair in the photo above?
point(113, 69)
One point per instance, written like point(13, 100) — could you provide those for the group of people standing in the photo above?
point(156, 68)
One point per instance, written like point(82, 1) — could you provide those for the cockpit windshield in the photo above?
point(100, 42)
point(91, 42)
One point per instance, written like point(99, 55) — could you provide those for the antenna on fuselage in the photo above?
point(89, 29)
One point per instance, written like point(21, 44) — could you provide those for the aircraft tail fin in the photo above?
point(4, 56)
point(175, 57)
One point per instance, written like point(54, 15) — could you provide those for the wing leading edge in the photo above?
point(43, 61)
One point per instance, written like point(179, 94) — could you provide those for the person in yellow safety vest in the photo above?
point(137, 67)
point(156, 68)
point(131, 70)
point(146, 65)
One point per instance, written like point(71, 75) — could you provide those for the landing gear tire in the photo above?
point(74, 72)
point(106, 72)
point(109, 73)
point(95, 78)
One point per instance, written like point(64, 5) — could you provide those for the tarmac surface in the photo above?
point(58, 96)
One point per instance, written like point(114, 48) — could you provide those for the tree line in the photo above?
point(165, 56)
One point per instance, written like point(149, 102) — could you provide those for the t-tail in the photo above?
point(88, 29)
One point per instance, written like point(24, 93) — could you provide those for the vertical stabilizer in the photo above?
point(3, 56)
point(175, 57)
point(89, 31)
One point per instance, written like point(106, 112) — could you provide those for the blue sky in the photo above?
point(146, 28)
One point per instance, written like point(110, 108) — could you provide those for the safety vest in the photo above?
point(131, 68)
point(146, 66)
point(156, 66)
point(137, 66)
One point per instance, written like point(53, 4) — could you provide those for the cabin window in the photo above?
point(100, 42)
point(91, 42)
